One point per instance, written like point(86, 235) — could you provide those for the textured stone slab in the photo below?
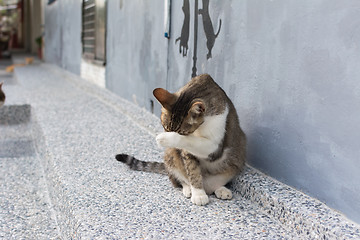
point(79, 129)
point(16, 148)
point(25, 208)
point(307, 216)
point(14, 114)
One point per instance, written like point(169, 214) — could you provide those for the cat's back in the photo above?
point(221, 112)
point(222, 109)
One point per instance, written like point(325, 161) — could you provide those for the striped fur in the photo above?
point(138, 165)
point(205, 147)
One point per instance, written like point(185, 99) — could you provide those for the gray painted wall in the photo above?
point(292, 69)
point(63, 34)
point(136, 49)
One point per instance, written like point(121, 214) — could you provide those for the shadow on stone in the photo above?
point(15, 128)
point(16, 148)
point(15, 114)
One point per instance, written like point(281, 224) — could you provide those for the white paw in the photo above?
point(168, 139)
point(199, 197)
point(223, 193)
point(186, 191)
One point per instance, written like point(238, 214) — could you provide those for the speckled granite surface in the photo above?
point(25, 211)
point(15, 114)
point(24, 202)
point(78, 128)
point(307, 216)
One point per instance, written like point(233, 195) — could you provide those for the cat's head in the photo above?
point(180, 113)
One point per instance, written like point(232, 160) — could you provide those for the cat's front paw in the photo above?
point(168, 139)
point(199, 197)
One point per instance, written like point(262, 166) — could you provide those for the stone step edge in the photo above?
point(60, 205)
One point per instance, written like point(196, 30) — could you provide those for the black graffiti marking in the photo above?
point(184, 38)
point(208, 27)
point(194, 69)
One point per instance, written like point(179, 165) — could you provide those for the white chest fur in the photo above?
point(204, 141)
point(213, 128)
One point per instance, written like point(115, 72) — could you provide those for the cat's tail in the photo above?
point(138, 165)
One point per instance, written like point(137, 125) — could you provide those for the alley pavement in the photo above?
point(60, 180)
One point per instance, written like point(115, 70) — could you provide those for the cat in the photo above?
point(205, 146)
point(2, 95)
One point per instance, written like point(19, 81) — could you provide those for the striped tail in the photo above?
point(138, 165)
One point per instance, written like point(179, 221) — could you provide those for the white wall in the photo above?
point(63, 34)
point(93, 73)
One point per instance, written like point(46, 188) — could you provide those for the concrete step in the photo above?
point(25, 206)
point(78, 128)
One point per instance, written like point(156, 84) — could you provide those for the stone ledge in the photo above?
point(307, 216)
point(15, 114)
point(303, 216)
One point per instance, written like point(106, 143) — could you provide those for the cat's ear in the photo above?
point(197, 108)
point(165, 98)
point(1, 83)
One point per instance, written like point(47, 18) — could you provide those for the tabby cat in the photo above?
point(2, 95)
point(205, 146)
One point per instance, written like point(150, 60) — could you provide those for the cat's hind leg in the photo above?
point(223, 193)
point(175, 182)
point(216, 184)
point(179, 180)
